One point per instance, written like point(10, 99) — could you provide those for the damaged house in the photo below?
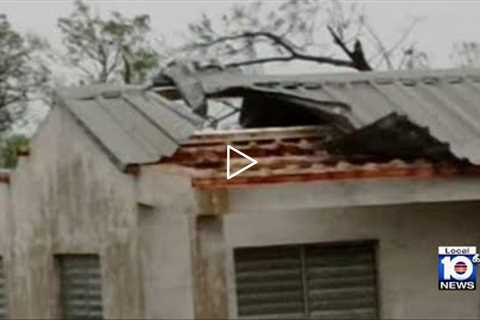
point(121, 207)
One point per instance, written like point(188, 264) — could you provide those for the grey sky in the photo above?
point(445, 21)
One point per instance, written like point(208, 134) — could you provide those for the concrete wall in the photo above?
point(167, 205)
point(4, 209)
point(67, 197)
point(408, 237)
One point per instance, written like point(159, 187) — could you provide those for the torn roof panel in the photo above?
point(447, 102)
point(130, 125)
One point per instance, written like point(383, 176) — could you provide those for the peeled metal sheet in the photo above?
point(447, 102)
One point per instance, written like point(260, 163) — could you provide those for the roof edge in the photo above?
point(365, 75)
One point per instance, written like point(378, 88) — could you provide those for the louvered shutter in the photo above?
point(81, 291)
point(341, 281)
point(269, 282)
point(333, 281)
point(3, 290)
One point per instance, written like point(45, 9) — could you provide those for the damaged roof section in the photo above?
point(392, 137)
point(432, 115)
point(439, 107)
point(132, 125)
point(295, 154)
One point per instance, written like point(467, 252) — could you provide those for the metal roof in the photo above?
point(132, 125)
point(447, 102)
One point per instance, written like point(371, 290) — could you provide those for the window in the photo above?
point(307, 281)
point(80, 286)
point(3, 290)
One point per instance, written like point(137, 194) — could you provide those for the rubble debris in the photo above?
point(392, 137)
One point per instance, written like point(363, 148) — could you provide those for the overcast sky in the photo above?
point(445, 21)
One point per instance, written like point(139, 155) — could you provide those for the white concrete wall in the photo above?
point(67, 197)
point(165, 243)
point(4, 208)
point(408, 238)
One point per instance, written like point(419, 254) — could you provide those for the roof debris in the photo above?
point(440, 114)
point(380, 116)
point(392, 137)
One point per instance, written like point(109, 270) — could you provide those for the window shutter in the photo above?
point(341, 281)
point(320, 281)
point(269, 282)
point(81, 292)
point(3, 291)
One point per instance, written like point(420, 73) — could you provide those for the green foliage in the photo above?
point(108, 50)
point(23, 77)
point(9, 148)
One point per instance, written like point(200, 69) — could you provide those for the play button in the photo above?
point(236, 173)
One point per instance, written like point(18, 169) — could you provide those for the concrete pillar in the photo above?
point(209, 274)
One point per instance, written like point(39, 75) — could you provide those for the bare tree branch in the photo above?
point(400, 40)
point(383, 51)
point(357, 56)
point(294, 55)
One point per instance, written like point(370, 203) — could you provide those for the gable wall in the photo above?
point(68, 198)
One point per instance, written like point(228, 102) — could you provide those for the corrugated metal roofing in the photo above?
point(132, 125)
point(447, 102)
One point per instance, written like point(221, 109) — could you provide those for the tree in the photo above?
point(253, 34)
point(107, 50)
point(23, 75)
point(257, 33)
point(9, 148)
point(466, 54)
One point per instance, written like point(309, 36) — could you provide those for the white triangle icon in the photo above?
point(236, 173)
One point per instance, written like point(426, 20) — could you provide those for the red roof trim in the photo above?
point(352, 174)
point(4, 177)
